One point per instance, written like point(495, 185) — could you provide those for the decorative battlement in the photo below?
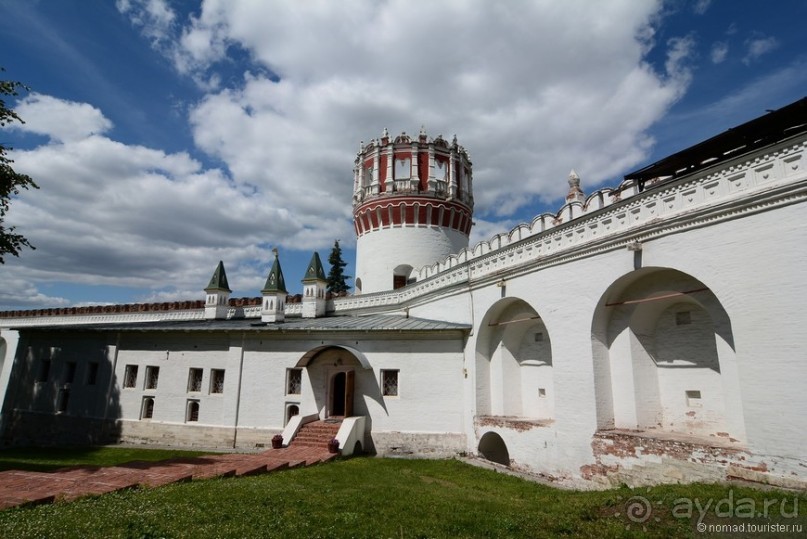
point(410, 181)
point(605, 219)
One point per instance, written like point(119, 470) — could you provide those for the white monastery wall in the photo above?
point(379, 254)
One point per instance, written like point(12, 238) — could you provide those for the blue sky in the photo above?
point(169, 135)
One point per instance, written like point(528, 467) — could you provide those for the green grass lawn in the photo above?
point(369, 497)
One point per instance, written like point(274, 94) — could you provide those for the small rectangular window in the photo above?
point(683, 318)
point(389, 383)
point(541, 392)
point(217, 381)
point(693, 398)
point(130, 376)
point(539, 337)
point(69, 372)
point(195, 380)
point(294, 381)
point(92, 373)
point(152, 377)
point(44, 371)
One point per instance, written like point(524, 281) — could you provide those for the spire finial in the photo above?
point(275, 251)
point(575, 193)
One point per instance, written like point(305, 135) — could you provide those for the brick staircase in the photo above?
point(23, 487)
point(316, 434)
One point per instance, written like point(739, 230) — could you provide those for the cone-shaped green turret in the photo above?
point(275, 281)
point(314, 271)
point(219, 280)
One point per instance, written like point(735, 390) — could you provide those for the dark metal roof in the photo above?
point(376, 323)
point(775, 126)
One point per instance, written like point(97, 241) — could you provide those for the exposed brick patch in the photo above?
point(617, 451)
point(589, 471)
point(514, 423)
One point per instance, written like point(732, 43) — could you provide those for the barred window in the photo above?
point(294, 381)
point(147, 411)
point(63, 399)
point(389, 383)
point(130, 376)
point(192, 413)
point(217, 381)
point(195, 380)
point(152, 377)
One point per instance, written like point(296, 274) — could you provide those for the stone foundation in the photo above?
point(416, 444)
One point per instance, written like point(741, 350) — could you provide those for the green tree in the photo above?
point(10, 181)
point(336, 275)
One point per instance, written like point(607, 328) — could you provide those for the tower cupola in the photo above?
point(412, 206)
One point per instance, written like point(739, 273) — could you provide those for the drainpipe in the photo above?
point(238, 392)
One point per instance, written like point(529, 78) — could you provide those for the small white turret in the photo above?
point(314, 284)
point(274, 294)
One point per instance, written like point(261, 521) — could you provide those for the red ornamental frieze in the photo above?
point(412, 212)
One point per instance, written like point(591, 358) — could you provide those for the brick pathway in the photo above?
point(19, 487)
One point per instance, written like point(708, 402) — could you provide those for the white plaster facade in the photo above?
point(637, 335)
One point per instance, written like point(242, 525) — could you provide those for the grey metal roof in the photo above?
point(375, 323)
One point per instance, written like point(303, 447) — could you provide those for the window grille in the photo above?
point(152, 377)
point(193, 411)
point(389, 383)
point(64, 398)
point(195, 380)
point(148, 408)
point(130, 376)
point(294, 384)
point(217, 381)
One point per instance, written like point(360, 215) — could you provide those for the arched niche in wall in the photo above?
point(514, 373)
point(664, 358)
point(400, 276)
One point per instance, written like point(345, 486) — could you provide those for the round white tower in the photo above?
point(412, 206)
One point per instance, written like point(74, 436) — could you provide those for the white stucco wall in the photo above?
point(379, 252)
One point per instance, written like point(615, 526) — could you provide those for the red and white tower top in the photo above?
point(407, 184)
